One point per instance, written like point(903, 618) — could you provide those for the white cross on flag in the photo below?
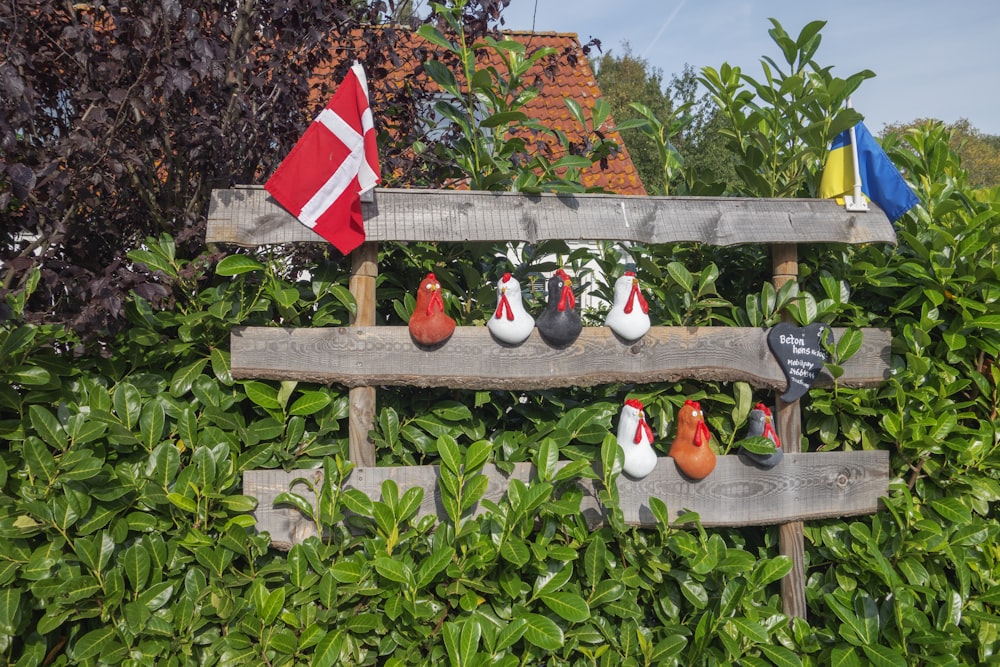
point(323, 177)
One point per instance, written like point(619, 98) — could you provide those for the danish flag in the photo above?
point(334, 162)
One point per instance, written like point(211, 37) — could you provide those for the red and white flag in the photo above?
point(323, 177)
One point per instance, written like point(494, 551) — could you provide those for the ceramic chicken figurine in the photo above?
point(761, 424)
point(560, 324)
point(429, 324)
point(690, 448)
point(629, 316)
point(511, 323)
point(635, 437)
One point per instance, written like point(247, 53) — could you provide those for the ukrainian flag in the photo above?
point(881, 182)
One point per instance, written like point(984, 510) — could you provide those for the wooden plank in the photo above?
point(361, 400)
point(249, 216)
point(472, 359)
point(788, 418)
point(737, 493)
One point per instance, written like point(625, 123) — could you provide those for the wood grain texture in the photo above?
point(250, 217)
point(737, 493)
point(472, 359)
point(361, 411)
point(788, 419)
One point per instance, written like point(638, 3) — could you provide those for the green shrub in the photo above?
point(125, 537)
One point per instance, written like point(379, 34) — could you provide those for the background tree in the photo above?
point(979, 152)
point(629, 79)
point(696, 140)
point(118, 119)
point(709, 167)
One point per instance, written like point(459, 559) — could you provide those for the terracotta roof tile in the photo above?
point(573, 79)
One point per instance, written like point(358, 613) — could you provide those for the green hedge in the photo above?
point(125, 539)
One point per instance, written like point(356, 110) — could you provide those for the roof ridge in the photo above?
point(505, 31)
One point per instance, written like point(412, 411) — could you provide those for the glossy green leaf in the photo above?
point(510, 634)
point(469, 640)
point(127, 402)
point(47, 427)
point(434, 564)
point(347, 571)
point(883, 656)
point(79, 465)
point(770, 570)
point(328, 650)
point(183, 502)
point(262, 394)
point(844, 657)
point(477, 455)
point(607, 590)
point(594, 560)
point(151, 424)
point(543, 632)
point(515, 552)
point(780, 656)
point(16, 339)
point(310, 402)
point(234, 265)
point(272, 606)
point(29, 375)
point(506, 118)
point(547, 458)
point(394, 570)
point(137, 565)
point(952, 510)
point(93, 642)
point(448, 451)
point(568, 606)
point(183, 378)
point(39, 459)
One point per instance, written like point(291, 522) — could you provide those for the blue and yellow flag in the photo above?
point(881, 182)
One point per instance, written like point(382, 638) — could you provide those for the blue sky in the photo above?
point(931, 59)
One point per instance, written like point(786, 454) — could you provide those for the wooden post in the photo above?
point(361, 416)
point(788, 417)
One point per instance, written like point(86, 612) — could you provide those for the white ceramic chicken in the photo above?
point(635, 437)
point(629, 316)
point(511, 323)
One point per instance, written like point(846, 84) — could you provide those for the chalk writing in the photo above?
point(800, 352)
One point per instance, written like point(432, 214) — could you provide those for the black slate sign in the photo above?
point(801, 355)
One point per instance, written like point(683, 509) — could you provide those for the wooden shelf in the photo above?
point(472, 359)
point(250, 217)
point(737, 493)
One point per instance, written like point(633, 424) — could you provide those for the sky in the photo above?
point(932, 59)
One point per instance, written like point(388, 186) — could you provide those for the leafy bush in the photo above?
point(125, 537)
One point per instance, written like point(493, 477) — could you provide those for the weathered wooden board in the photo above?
point(737, 493)
point(249, 216)
point(472, 359)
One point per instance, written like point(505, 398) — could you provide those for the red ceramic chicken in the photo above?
point(690, 448)
point(429, 324)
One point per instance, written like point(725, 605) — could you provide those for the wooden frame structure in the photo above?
point(804, 486)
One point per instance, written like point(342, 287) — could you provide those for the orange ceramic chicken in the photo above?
point(429, 324)
point(690, 448)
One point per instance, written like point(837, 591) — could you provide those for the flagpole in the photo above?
point(858, 201)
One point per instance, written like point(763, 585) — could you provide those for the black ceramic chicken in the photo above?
point(559, 324)
point(761, 424)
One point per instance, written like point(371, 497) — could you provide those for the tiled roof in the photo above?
point(571, 77)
